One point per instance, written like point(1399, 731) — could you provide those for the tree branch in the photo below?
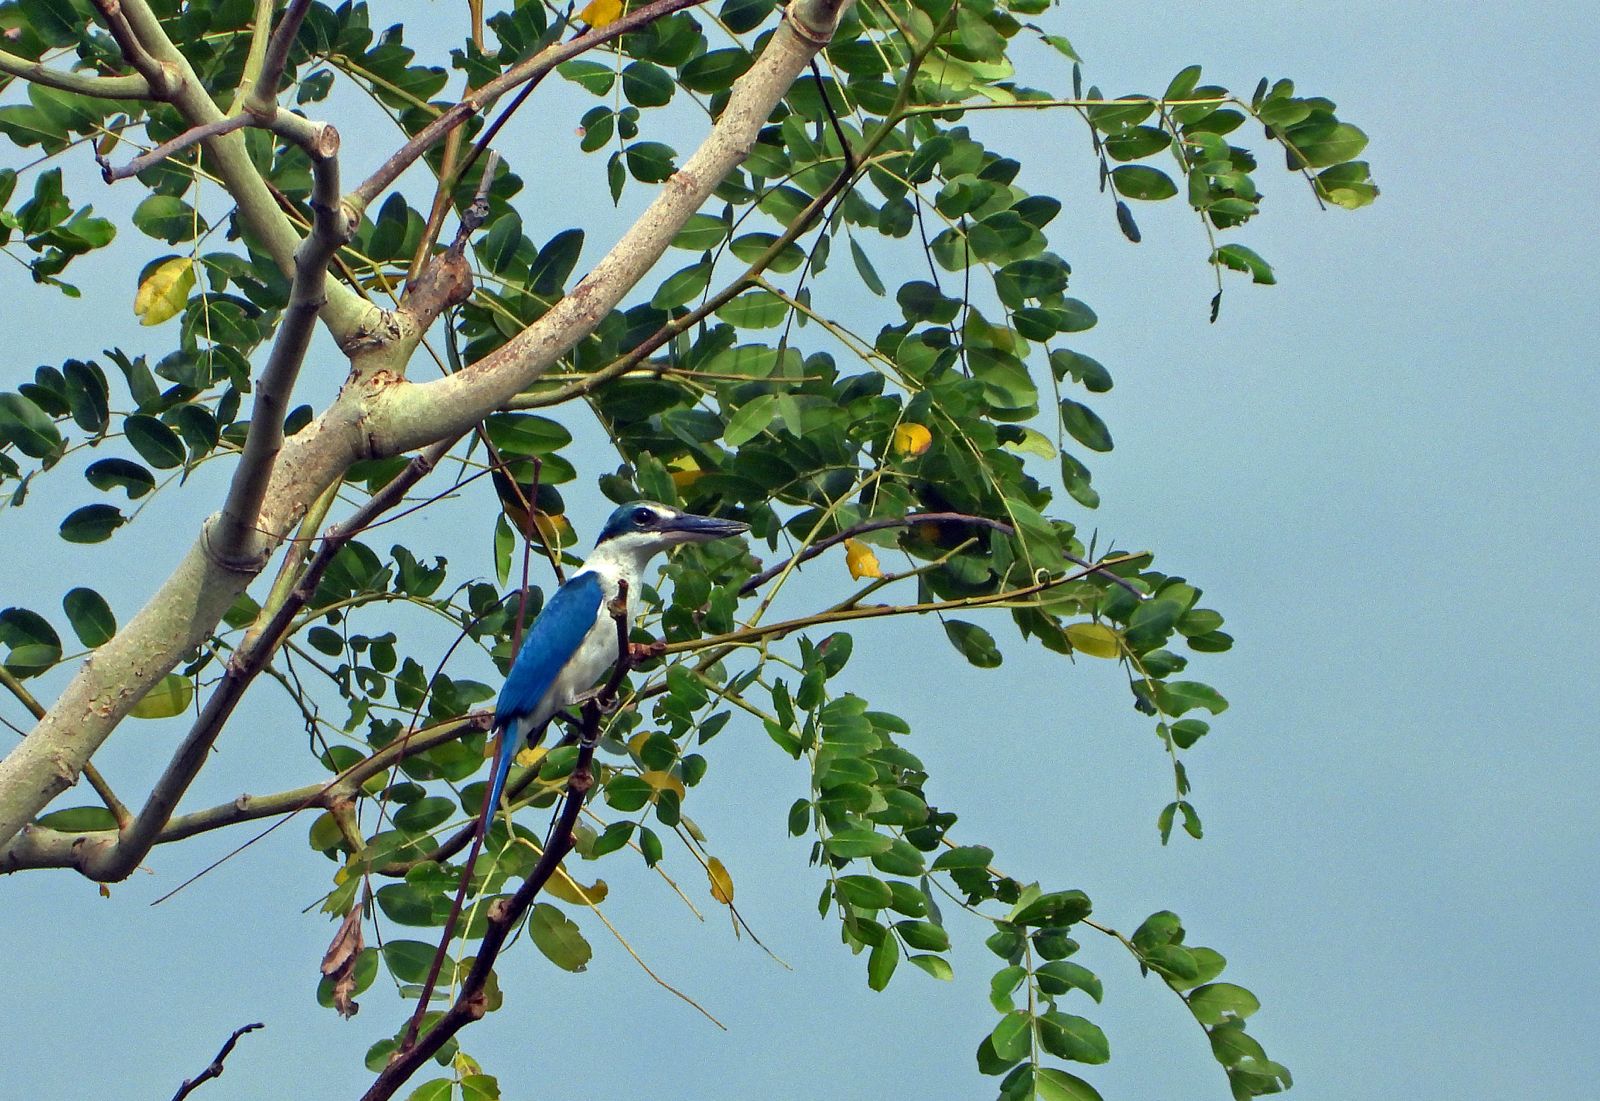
point(237, 540)
point(119, 813)
point(83, 84)
point(534, 69)
point(406, 416)
point(263, 95)
point(470, 1002)
point(215, 1069)
point(877, 611)
point(346, 314)
point(39, 847)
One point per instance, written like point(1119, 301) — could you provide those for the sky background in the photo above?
point(1381, 470)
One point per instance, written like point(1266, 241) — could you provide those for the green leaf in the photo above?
point(964, 856)
point(1059, 976)
point(714, 70)
point(156, 443)
point(757, 309)
point(1054, 908)
point(408, 960)
point(92, 523)
point(78, 819)
point(1071, 1037)
point(437, 1089)
point(1084, 425)
point(87, 395)
point(882, 962)
point(924, 935)
point(1219, 1002)
point(1011, 1037)
point(867, 892)
point(682, 286)
point(1140, 181)
point(108, 474)
point(852, 843)
point(170, 696)
point(1324, 141)
point(646, 85)
point(168, 218)
point(1179, 696)
point(1003, 985)
point(937, 966)
point(424, 814)
point(27, 427)
point(650, 161)
point(90, 616)
point(864, 268)
point(558, 938)
point(480, 1087)
point(1051, 1084)
point(975, 644)
point(750, 419)
point(1239, 258)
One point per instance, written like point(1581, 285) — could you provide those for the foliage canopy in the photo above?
point(718, 344)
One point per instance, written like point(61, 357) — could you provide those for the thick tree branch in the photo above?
point(84, 84)
point(119, 813)
point(83, 717)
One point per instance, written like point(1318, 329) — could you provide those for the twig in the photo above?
point(215, 1069)
point(192, 136)
point(263, 95)
point(534, 69)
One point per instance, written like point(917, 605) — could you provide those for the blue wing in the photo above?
point(552, 639)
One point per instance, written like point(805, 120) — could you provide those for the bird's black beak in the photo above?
point(703, 529)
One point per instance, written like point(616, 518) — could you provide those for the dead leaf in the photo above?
point(339, 962)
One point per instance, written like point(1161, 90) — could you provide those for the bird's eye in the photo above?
point(643, 516)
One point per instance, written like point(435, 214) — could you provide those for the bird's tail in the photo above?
point(505, 752)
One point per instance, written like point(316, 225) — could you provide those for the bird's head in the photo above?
point(643, 528)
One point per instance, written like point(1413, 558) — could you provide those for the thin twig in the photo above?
point(215, 1069)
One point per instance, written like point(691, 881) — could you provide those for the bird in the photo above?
point(572, 643)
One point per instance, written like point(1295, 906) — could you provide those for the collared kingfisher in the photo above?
point(572, 644)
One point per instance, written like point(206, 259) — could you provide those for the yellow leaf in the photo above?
point(721, 881)
point(170, 696)
point(636, 743)
point(860, 560)
point(912, 439)
point(1095, 639)
point(105, 892)
point(567, 889)
point(466, 1064)
point(164, 291)
point(600, 13)
point(529, 756)
point(663, 781)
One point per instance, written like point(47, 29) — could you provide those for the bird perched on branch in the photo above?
point(572, 644)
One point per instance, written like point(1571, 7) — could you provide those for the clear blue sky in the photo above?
point(1382, 470)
